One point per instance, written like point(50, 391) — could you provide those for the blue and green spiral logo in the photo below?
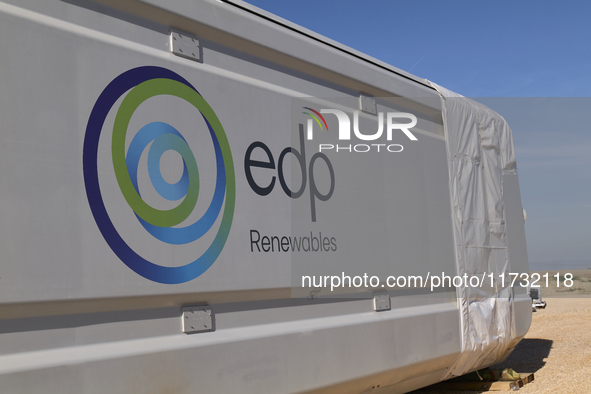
point(154, 139)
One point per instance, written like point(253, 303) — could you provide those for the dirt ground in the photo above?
point(557, 347)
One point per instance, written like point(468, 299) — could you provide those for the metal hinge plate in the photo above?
point(197, 319)
point(367, 105)
point(381, 302)
point(185, 46)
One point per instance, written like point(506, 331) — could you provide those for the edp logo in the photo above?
point(307, 171)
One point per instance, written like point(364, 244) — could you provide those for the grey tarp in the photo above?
point(479, 151)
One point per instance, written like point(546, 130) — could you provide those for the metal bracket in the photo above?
point(381, 302)
point(197, 319)
point(185, 46)
point(367, 105)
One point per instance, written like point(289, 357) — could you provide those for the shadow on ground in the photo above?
point(529, 356)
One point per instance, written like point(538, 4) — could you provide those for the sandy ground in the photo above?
point(557, 347)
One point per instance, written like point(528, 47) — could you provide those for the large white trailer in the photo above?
point(194, 198)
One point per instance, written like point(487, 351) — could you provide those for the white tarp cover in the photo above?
point(479, 151)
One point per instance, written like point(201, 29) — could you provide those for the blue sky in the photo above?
point(529, 60)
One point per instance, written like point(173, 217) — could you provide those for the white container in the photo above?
point(94, 301)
